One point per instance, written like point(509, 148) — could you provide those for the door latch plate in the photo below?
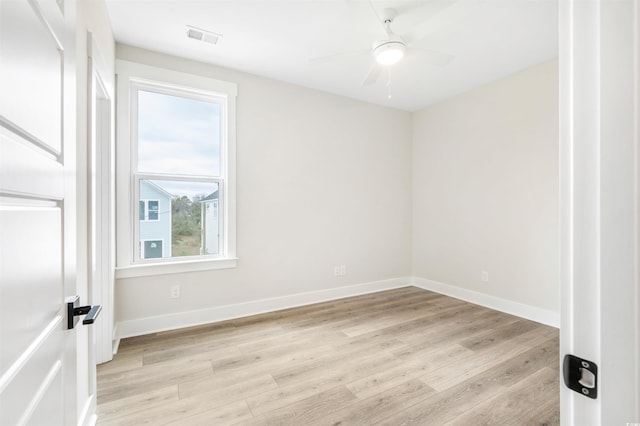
point(580, 375)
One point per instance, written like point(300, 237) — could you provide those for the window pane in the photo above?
point(152, 249)
point(153, 209)
point(186, 216)
point(141, 209)
point(178, 135)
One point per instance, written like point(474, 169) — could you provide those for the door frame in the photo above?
point(600, 205)
point(100, 200)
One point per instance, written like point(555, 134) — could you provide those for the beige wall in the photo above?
point(321, 181)
point(485, 189)
point(467, 185)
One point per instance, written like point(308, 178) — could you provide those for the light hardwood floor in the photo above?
point(400, 357)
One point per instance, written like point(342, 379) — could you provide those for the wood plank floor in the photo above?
point(400, 357)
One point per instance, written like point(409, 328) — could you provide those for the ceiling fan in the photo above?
point(392, 49)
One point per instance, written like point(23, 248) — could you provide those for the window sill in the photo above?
point(178, 267)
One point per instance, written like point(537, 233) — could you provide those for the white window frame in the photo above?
point(131, 77)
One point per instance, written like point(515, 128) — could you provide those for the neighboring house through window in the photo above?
point(177, 133)
point(155, 221)
point(210, 225)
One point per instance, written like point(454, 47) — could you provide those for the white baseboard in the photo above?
point(522, 310)
point(141, 326)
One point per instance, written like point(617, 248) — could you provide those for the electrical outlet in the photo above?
point(343, 270)
point(484, 276)
point(174, 292)
point(340, 270)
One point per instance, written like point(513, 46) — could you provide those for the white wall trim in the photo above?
point(138, 327)
point(522, 310)
point(155, 324)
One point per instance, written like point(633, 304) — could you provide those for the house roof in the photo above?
point(210, 197)
point(156, 187)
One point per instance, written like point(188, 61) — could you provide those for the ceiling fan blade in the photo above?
point(445, 18)
point(433, 57)
point(380, 18)
point(327, 58)
point(373, 75)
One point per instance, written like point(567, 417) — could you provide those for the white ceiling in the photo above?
point(277, 38)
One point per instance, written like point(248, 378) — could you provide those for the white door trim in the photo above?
point(600, 110)
point(101, 196)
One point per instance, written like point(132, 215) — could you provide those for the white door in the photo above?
point(38, 373)
point(600, 199)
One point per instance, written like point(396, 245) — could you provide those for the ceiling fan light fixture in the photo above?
point(389, 53)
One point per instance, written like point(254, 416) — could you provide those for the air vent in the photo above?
point(203, 35)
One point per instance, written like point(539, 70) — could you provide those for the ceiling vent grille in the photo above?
point(203, 35)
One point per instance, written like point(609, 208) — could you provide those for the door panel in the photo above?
point(49, 408)
point(25, 169)
point(38, 382)
point(37, 354)
point(36, 232)
point(32, 63)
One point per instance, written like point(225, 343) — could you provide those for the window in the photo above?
point(176, 139)
point(151, 249)
point(148, 210)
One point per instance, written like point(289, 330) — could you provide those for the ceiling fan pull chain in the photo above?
point(389, 84)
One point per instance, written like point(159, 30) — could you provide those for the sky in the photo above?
point(179, 135)
point(190, 189)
